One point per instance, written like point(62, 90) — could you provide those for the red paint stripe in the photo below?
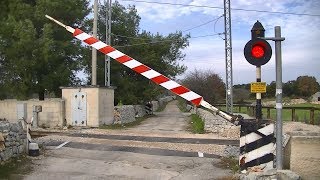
point(124, 59)
point(107, 49)
point(91, 40)
point(197, 101)
point(142, 68)
point(77, 32)
point(180, 90)
point(160, 79)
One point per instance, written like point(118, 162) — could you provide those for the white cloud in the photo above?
point(300, 49)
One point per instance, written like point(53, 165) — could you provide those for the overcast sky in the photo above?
point(301, 49)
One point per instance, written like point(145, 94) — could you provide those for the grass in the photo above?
point(182, 104)
point(138, 121)
point(18, 165)
point(300, 115)
point(161, 108)
point(231, 163)
point(196, 124)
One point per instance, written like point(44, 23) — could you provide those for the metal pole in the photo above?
point(279, 151)
point(94, 51)
point(228, 56)
point(258, 97)
point(108, 41)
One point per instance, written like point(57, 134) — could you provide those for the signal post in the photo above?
point(257, 135)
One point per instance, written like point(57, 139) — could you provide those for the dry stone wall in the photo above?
point(12, 140)
point(128, 113)
point(216, 124)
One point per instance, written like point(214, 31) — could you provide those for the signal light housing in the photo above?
point(257, 52)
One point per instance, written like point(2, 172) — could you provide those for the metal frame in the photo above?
point(228, 56)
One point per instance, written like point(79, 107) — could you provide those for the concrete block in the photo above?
point(302, 156)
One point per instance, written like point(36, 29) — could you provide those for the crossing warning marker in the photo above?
point(258, 87)
point(144, 70)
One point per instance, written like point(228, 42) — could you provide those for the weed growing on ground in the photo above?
point(231, 163)
point(182, 104)
point(18, 165)
point(196, 124)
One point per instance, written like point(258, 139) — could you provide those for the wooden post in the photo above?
point(312, 116)
point(293, 114)
point(268, 113)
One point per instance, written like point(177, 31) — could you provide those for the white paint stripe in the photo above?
point(98, 45)
point(257, 153)
point(132, 63)
point(170, 84)
point(115, 54)
point(150, 74)
point(61, 145)
point(278, 105)
point(190, 95)
point(249, 138)
point(200, 154)
point(83, 36)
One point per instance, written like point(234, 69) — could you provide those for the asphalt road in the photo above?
point(140, 154)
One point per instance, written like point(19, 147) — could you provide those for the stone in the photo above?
point(15, 128)
point(2, 142)
point(287, 175)
point(4, 127)
point(7, 154)
point(21, 149)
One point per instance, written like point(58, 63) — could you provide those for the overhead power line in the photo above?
point(202, 24)
point(155, 42)
point(217, 7)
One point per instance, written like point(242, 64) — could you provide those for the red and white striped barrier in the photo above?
point(142, 69)
point(138, 67)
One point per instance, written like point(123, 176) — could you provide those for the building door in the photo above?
point(79, 109)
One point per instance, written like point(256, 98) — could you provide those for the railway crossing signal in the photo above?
point(257, 52)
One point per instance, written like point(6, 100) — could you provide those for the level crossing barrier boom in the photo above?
point(146, 71)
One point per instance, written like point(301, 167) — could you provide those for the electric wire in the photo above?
point(189, 29)
point(155, 42)
point(216, 7)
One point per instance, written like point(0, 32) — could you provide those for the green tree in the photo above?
point(35, 54)
point(161, 53)
point(307, 85)
point(271, 90)
point(290, 88)
point(206, 83)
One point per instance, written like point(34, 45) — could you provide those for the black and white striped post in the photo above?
point(257, 144)
point(149, 108)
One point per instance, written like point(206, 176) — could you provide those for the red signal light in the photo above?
point(257, 51)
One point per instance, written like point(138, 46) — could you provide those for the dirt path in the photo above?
point(171, 119)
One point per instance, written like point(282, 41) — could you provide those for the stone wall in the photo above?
point(124, 114)
point(140, 110)
point(216, 124)
point(127, 113)
point(12, 140)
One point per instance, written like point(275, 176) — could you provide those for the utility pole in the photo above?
point(94, 51)
point(228, 54)
point(108, 41)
